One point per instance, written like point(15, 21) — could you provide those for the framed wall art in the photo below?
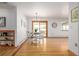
point(74, 14)
point(2, 21)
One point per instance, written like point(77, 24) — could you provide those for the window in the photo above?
point(65, 27)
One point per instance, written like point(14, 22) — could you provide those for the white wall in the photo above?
point(21, 29)
point(56, 32)
point(73, 32)
point(52, 32)
point(10, 14)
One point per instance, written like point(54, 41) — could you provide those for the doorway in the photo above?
point(40, 26)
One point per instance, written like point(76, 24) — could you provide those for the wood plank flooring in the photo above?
point(46, 47)
point(7, 50)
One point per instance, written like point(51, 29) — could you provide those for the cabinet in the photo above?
point(7, 37)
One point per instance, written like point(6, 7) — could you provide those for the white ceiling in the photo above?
point(46, 9)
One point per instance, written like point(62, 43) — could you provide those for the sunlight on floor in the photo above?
point(44, 44)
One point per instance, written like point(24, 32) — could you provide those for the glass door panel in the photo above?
point(43, 28)
point(40, 26)
point(36, 27)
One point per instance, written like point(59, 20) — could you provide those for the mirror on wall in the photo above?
point(54, 25)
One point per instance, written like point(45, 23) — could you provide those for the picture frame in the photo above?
point(74, 14)
point(2, 21)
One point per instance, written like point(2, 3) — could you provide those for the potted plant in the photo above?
point(36, 30)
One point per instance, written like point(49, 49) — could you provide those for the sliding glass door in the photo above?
point(40, 26)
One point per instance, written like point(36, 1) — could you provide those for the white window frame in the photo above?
point(65, 27)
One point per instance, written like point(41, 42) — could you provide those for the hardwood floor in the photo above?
point(7, 50)
point(46, 47)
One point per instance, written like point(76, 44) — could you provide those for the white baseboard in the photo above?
point(57, 37)
point(20, 43)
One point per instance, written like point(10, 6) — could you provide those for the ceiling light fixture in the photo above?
point(36, 16)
